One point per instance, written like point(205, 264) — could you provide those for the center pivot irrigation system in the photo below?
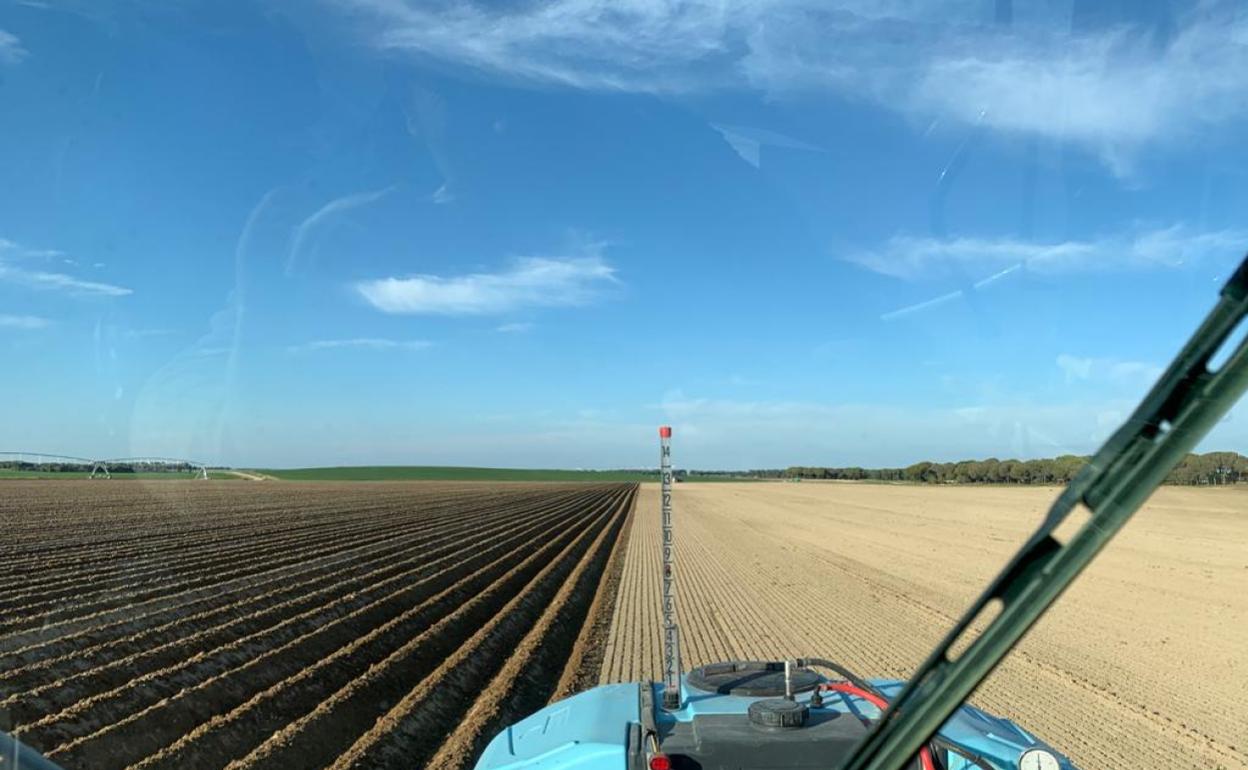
point(100, 468)
point(815, 713)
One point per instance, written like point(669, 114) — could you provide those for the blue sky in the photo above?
point(525, 234)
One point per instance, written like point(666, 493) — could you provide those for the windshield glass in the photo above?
point(335, 337)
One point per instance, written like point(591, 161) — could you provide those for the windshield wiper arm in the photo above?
point(1186, 402)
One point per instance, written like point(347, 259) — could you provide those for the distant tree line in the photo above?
point(751, 474)
point(45, 467)
point(75, 467)
point(1210, 468)
point(1195, 469)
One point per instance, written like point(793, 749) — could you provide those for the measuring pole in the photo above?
point(671, 635)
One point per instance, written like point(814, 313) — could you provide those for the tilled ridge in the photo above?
point(412, 730)
point(283, 625)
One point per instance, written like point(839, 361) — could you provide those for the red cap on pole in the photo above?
point(665, 431)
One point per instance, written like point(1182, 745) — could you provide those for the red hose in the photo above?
point(925, 754)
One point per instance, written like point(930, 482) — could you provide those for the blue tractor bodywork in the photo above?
point(602, 729)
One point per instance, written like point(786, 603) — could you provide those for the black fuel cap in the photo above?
point(778, 712)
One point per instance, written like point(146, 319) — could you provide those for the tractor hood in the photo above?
point(587, 732)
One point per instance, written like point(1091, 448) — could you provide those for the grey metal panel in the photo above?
point(731, 742)
point(636, 755)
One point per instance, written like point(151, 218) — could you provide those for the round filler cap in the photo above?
point(778, 712)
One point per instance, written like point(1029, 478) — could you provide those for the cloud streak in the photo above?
point(1085, 369)
point(11, 50)
point(443, 195)
point(527, 282)
point(1109, 89)
point(38, 279)
point(23, 322)
point(359, 343)
point(47, 280)
point(138, 334)
point(629, 45)
point(518, 327)
point(911, 257)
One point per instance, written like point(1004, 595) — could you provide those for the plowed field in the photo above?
point(197, 625)
point(1142, 664)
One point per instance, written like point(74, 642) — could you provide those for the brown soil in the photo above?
point(192, 625)
point(584, 666)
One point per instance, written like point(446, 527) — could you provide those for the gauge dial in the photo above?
point(1038, 759)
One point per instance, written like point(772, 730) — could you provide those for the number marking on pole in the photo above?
point(671, 635)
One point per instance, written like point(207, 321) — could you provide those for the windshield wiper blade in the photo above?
point(1186, 402)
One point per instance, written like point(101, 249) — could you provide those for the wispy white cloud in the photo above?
point(1109, 89)
point(38, 279)
point(364, 343)
point(527, 282)
point(630, 44)
point(518, 327)
point(924, 257)
point(443, 194)
point(12, 253)
point(136, 334)
point(23, 322)
point(1090, 369)
point(11, 250)
point(11, 50)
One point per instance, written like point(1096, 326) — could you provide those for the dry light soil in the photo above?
point(1142, 664)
